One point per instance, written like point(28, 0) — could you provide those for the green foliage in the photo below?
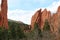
point(35, 26)
point(19, 32)
point(38, 29)
point(46, 26)
point(3, 33)
point(9, 34)
point(0, 33)
point(40, 33)
point(15, 32)
point(36, 33)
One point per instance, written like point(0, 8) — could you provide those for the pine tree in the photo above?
point(46, 26)
point(19, 32)
point(46, 31)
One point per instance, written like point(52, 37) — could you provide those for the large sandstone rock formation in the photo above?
point(45, 16)
point(3, 14)
point(40, 17)
point(36, 18)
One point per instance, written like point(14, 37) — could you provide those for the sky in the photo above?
point(22, 10)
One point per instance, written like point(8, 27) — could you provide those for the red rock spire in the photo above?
point(36, 18)
point(40, 17)
point(4, 20)
point(58, 9)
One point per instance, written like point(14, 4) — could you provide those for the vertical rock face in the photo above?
point(45, 16)
point(58, 9)
point(3, 14)
point(41, 16)
point(36, 18)
point(1, 19)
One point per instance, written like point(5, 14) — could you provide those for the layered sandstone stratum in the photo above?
point(40, 17)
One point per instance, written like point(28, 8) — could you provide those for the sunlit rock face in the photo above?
point(58, 9)
point(3, 14)
point(36, 18)
point(45, 16)
point(40, 17)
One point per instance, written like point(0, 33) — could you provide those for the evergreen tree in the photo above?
point(46, 30)
point(15, 32)
point(12, 30)
point(46, 26)
point(4, 33)
point(19, 32)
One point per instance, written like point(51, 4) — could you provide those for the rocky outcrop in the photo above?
point(3, 14)
point(36, 18)
point(40, 17)
point(58, 9)
point(45, 16)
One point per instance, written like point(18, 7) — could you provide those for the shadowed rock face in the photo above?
point(40, 17)
point(3, 14)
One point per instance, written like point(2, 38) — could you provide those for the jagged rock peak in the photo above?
point(39, 10)
point(45, 9)
point(58, 9)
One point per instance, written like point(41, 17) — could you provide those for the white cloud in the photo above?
point(0, 1)
point(25, 15)
point(0, 5)
point(53, 7)
point(20, 15)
